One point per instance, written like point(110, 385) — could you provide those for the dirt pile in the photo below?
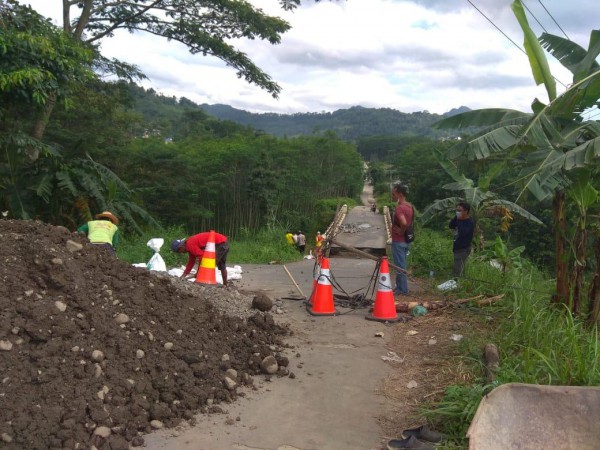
point(96, 352)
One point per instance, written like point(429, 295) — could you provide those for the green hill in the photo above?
point(349, 124)
point(167, 113)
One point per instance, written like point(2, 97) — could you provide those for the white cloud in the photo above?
point(408, 55)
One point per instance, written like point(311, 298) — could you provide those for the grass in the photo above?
point(259, 248)
point(539, 342)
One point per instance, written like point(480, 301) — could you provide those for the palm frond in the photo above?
point(439, 207)
point(65, 182)
point(453, 171)
point(514, 208)
point(107, 174)
point(481, 118)
point(586, 154)
point(91, 185)
point(535, 53)
point(496, 141)
point(45, 187)
point(570, 54)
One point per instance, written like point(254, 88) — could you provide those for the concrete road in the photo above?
point(331, 404)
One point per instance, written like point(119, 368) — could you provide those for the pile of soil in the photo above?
point(94, 351)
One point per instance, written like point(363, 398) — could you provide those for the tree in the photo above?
point(549, 143)
point(482, 201)
point(202, 26)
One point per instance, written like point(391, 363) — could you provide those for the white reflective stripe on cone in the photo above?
point(385, 282)
point(324, 277)
point(210, 247)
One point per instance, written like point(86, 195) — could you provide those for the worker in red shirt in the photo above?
point(195, 245)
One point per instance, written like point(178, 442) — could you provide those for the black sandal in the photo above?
point(425, 433)
point(408, 444)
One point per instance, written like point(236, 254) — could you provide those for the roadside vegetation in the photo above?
point(539, 342)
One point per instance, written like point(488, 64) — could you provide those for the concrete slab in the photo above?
point(533, 417)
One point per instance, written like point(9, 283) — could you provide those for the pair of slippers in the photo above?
point(414, 439)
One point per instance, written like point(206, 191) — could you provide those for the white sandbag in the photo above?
point(447, 285)
point(156, 263)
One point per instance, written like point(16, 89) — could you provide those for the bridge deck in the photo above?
point(367, 231)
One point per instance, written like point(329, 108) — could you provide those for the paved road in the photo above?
point(333, 401)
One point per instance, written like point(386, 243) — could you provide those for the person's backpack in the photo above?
point(409, 233)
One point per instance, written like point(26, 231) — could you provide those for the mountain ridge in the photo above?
point(350, 124)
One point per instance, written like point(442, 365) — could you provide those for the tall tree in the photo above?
point(205, 27)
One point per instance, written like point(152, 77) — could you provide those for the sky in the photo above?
point(408, 55)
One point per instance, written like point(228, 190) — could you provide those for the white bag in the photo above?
point(156, 263)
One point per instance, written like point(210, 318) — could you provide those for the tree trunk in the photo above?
point(594, 294)
point(578, 266)
point(560, 230)
point(39, 127)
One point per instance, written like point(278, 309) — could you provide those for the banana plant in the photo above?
point(585, 197)
point(483, 202)
point(549, 142)
point(499, 253)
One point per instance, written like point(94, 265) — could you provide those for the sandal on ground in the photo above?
point(408, 444)
point(425, 433)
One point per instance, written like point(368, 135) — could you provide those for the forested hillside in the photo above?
point(349, 124)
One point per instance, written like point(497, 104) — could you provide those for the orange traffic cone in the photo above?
point(206, 270)
point(385, 308)
point(316, 273)
point(322, 300)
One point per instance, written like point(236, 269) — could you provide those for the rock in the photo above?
point(292, 375)
point(6, 346)
point(229, 383)
point(269, 365)
point(6, 437)
point(262, 302)
point(432, 341)
point(56, 261)
point(102, 432)
point(156, 424)
point(412, 332)
point(191, 358)
point(139, 354)
point(231, 373)
point(122, 318)
point(73, 246)
point(225, 357)
point(379, 334)
point(97, 356)
point(61, 306)
point(412, 384)
point(168, 345)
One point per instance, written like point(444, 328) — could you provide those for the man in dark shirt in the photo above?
point(463, 227)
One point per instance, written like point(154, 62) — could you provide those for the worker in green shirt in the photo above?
point(103, 231)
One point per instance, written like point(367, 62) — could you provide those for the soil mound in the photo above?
point(96, 352)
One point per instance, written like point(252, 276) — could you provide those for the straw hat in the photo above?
point(108, 215)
